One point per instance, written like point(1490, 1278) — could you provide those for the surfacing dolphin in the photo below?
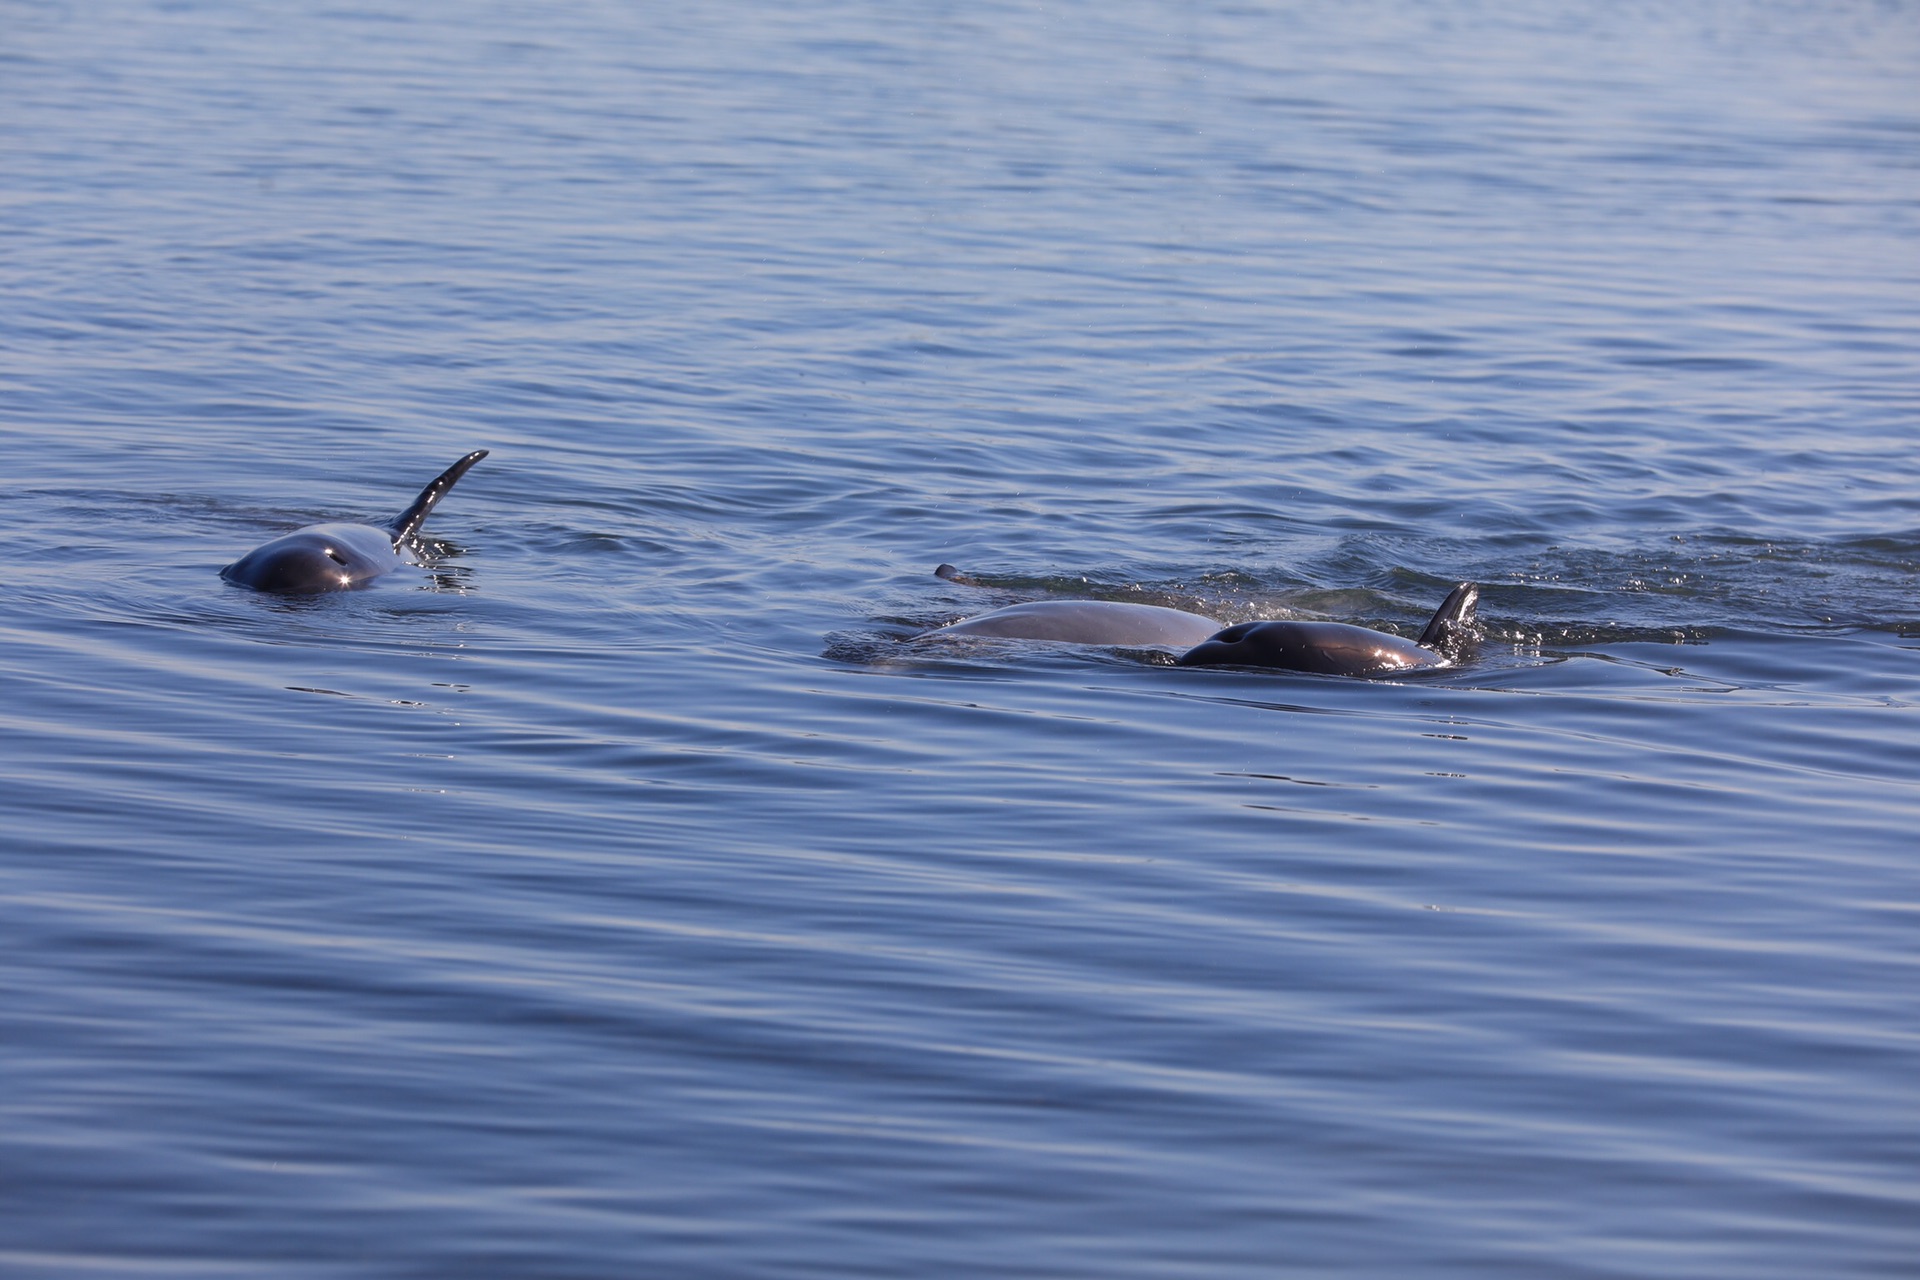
point(1340, 649)
point(333, 557)
point(1105, 622)
point(1114, 622)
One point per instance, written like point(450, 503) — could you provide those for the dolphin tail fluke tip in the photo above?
point(1451, 630)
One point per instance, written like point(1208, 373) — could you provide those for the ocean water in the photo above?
point(623, 892)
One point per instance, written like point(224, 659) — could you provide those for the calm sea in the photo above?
point(622, 894)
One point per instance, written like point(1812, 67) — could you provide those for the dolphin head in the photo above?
point(321, 557)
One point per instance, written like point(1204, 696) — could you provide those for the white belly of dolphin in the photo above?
point(1110, 622)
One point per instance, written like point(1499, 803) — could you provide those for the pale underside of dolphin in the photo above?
point(1100, 622)
point(1105, 622)
point(337, 556)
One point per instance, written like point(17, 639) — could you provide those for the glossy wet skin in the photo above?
point(320, 557)
point(334, 557)
point(1326, 648)
point(1108, 622)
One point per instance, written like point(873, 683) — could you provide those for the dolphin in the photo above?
point(1114, 622)
point(1340, 649)
point(334, 557)
point(1106, 622)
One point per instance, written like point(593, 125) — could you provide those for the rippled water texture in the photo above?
point(625, 892)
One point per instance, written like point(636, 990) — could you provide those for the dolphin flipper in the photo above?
point(407, 523)
point(1451, 630)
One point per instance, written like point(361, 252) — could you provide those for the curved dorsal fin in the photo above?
point(407, 523)
point(1452, 624)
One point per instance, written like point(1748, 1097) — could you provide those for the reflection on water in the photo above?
point(617, 887)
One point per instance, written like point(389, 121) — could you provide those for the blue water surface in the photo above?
point(623, 892)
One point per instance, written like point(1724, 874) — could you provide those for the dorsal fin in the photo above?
point(1452, 625)
point(407, 523)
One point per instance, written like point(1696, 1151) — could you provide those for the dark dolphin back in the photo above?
point(407, 523)
point(1452, 627)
